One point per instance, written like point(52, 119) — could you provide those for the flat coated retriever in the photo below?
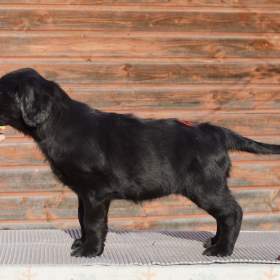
point(104, 156)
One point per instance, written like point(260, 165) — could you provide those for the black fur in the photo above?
point(105, 156)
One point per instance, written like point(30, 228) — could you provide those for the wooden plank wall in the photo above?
point(204, 60)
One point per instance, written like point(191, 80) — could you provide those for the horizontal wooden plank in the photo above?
point(26, 207)
point(257, 221)
point(20, 153)
point(32, 18)
point(187, 98)
point(59, 205)
point(132, 72)
point(254, 200)
point(86, 44)
point(210, 99)
point(40, 178)
point(193, 3)
point(26, 178)
point(16, 151)
point(261, 221)
point(254, 173)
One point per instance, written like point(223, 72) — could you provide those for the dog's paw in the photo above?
point(217, 251)
point(77, 243)
point(210, 242)
point(87, 251)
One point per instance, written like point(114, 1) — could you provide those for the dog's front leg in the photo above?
point(95, 215)
point(79, 241)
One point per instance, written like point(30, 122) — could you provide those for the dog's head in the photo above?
point(27, 99)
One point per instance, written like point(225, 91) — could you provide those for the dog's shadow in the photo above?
point(199, 236)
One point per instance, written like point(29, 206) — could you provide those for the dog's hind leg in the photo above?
point(95, 227)
point(79, 241)
point(229, 218)
point(228, 214)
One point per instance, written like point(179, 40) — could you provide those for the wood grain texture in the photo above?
point(189, 98)
point(63, 205)
point(222, 98)
point(253, 221)
point(145, 72)
point(177, 3)
point(93, 19)
point(95, 44)
point(28, 179)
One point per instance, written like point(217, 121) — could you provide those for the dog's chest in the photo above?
point(58, 172)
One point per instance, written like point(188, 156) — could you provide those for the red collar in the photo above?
point(186, 123)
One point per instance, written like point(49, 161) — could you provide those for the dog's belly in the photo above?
point(145, 188)
point(140, 193)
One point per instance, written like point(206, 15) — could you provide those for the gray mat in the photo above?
point(52, 247)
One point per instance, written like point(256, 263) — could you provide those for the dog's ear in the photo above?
point(35, 101)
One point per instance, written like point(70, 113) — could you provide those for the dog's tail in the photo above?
point(234, 141)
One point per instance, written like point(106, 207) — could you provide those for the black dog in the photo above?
point(105, 156)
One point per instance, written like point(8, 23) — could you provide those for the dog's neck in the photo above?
point(42, 131)
point(46, 132)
